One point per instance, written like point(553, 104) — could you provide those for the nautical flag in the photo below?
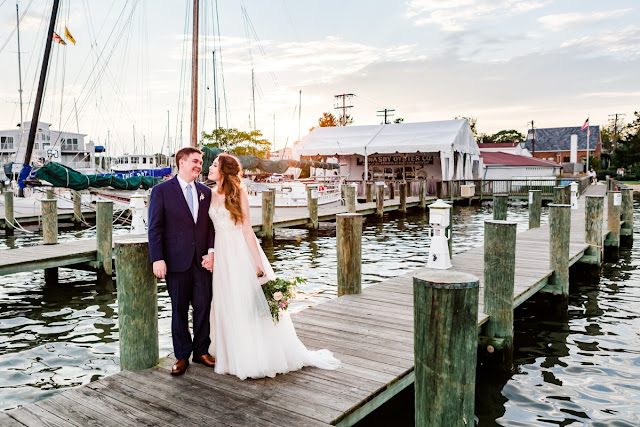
point(57, 39)
point(586, 124)
point(68, 35)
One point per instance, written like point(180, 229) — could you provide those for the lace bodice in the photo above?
point(221, 218)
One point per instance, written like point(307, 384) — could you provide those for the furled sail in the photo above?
point(62, 176)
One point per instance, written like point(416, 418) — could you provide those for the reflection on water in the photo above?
point(583, 365)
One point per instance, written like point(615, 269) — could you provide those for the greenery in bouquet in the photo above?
point(278, 292)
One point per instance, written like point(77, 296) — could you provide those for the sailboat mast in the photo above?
point(194, 76)
point(215, 91)
point(43, 77)
point(19, 72)
point(253, 97)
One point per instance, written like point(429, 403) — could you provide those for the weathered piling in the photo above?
point(50, 194)
point(369, 189)
point(566, 196)
point(104, 236)
point(558, 195)
point(626, 229)
point(500, 202)
point(559, 236)
point(268, 209)
point(49, 210)
point(445, 305)
point(450, 241)
point(403, 196)
point(614, 204)
point(535, 208)
point(77, 206)
point(380, 200)
point(422, 195)
point(409, 189)
point(593, 220)
point(392, 190)
point(137, 305)
point(349, 246)
point(312, 205)
point(499, 281)
point(349, 196)
point(9, 219)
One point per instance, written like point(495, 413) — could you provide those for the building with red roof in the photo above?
point(499, 165)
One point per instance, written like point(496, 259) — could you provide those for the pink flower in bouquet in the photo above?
point(284, 304)
point(277, 296)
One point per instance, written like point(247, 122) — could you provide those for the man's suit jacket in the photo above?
point(173, 236)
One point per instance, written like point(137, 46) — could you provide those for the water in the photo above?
point(583, 368)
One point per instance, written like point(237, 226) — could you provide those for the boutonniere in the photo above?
point(201, 196)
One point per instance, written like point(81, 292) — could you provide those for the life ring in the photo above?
point(321, 189)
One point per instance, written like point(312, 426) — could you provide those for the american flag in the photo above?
point(586, 124)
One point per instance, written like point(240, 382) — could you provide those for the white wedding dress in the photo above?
point(244, 339)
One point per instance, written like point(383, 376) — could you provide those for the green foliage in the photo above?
point(278, 292)
point(398, 120)
point(472, 122)
point(330, 120)
point(510, 135)
point(240, 143)
point(627, 155)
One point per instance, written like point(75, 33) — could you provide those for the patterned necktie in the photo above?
point(189, 196)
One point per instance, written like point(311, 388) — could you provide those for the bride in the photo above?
point(244, 339)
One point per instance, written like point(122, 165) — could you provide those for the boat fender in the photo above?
point(321, 189)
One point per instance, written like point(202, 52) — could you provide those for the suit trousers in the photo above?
point(191, 287)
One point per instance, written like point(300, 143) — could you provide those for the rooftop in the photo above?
point(506, 159)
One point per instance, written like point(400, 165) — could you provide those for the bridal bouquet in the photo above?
point(278, 292)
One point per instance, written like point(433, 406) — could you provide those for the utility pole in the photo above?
point(614, 143)
point(386, 114)
point(533, 139)
point(344, 106)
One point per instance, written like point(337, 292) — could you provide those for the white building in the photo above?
point(430, 151)
point(68, 148)
point(498, 165)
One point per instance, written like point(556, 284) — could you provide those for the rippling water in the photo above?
point(584, 366)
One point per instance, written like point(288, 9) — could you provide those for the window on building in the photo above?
point(135, 160)
point(144, 160)
point(565, 159)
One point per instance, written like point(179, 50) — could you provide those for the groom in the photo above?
point(180, 243)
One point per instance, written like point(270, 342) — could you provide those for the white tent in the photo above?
point(446, 137)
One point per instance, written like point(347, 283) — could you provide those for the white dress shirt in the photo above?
point(194, 193)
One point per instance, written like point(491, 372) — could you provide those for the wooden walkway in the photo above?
point(371, 333)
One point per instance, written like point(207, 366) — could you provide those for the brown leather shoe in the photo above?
point(205, 359)
point(180, 367)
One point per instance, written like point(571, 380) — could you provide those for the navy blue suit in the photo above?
point(181, 243)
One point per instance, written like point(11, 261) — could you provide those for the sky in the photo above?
point(126, 81)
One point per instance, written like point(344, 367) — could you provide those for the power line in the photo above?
point(344, 106)
point(385, 114)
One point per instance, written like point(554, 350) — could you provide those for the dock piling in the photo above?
point(104, 236)
point(137, 305)
point(50, 234)
point(614, 203)
point(445, 305)
point(422, 195)
point(535, 208)
point(369, 188)
point(77, 206)
point(593, 220)
point(626, 230)
point(499, 282)
point(380, 200)
point(392, 190)
point(403, 196)
point(9, 218)
point(559, 236)
point(558, 195)
point(50, 194)
point(312, 205)
point(268, 208)
point(500, 202)
point(349, 196)
point(349, 247)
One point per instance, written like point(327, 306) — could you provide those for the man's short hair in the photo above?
point(185, 152)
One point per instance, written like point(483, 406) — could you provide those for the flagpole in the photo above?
point(588, 132)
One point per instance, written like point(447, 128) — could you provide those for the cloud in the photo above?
point(563, 21)
point(623, 44)
point(456, 15)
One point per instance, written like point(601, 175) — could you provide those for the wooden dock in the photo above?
point(371, 333)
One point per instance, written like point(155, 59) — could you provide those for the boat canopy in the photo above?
point(62, 176)
point(269, 166)
point(423, 137)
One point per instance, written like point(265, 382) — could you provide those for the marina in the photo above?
point(353, 326)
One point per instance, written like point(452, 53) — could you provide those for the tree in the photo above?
point(398, 120)
point(329, 120)
point(472, 123)
point(240, 143)
point(510, 135)
point(627, 155)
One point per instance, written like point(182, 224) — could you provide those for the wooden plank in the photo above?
point(65, 408)
point(7, 421)
point(34, 415)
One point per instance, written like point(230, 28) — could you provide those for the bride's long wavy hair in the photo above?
point(231, 172)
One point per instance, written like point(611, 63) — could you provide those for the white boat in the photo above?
point(135, 163)
point(293, 194)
